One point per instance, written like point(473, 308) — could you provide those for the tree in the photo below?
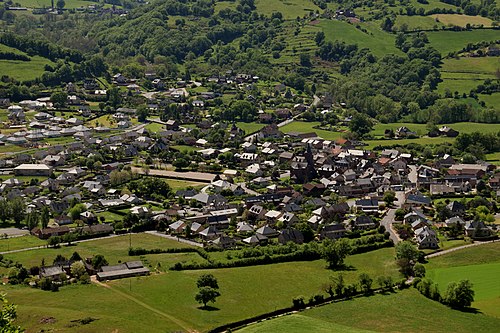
point(389, 197)
point(334, 252)
point(338, 284)
point(59, 98)
point(98, 261)
point(17, 209)
point(459, 295)
point(360, 125)
point(4, 210)
point(142, 113)
point(32, 220)
point(78, 269)
point(45, 217)
point(365, 282)
point(205, 295)
point(8, 314)
point(407, 255)
point(207, 280)
point(69, 238)
point(60, 4)
point(54, 241)
point(419, 270)
point(77, 209)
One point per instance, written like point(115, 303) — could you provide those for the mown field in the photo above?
point(450, 41)
point(250, 128)
point(307, 127)
point(23, 70)
point(22, 242)
point(405, 311)
point(462, 20)
point(70, 4)
point(378, 41)
point(289, 8)
point(165, 300)
point(481, 265)
point(416, 22)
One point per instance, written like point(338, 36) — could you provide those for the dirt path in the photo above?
point(178, 322)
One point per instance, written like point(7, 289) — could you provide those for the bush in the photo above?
point(298, 302)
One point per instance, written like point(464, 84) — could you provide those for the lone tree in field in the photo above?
point(207, 289)
point(335, 252)
point(407, 256)
point(459, 295)
point(8, 314)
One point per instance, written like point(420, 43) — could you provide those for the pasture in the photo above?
point(462, 20)
point(70, 4)
point(250, 128)
point(166, 299)
point(484, 278)
point(416, 22)
point(22, 242)
point(378, 41)
point(307, 127)
point(405, 311)
point(451, 41)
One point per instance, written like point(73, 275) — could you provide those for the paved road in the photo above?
point(177, 239)
point(440, 253)
point(189, 175)
point(387, 223)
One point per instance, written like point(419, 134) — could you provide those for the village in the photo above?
point(82, 172)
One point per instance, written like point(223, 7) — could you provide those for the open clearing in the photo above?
point(245, 290)
point(307, 127)
point(405, 311)
point(462, 20)
point(250, 128)
point(450, 41)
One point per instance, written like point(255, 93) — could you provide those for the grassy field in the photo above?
point(22, 70)
point(103, 121)
point(416, 22)
point(306, 127)
point(115, 249)
point(492, 100)
point(421, 129)
point(493, 158)
point(405, 311)
point(155, 127)
point(181, 184)
point(169, 296)
point(462, 20)
point(70, 4)
point(484, 278)
point(449, 41)
point(378, 41)
point(185, 149)
point(250, 128)
point(15, 243)
point(480, 264)
point(289, 8)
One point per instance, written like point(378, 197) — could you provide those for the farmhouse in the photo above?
point(33, 170)
point(128, 269)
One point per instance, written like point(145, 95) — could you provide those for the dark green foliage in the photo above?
point(459, 295)
point(207, 280)
point(98, 261)
point(335, 252)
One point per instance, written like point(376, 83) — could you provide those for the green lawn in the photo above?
point(289, 8)
point(449, 41)
point(493, 158)
point(22, 242)
point(405, 311)
point(378, 41)
point(182, 184)
point(307, 127)
point(24, 70)
point(70, 4)
point(492, 100)
point(484, 278)
point(155, 127)
point(416, 22)
point(185, 149)
point(488, 65)
point(250, 128)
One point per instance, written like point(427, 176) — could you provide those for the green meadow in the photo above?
point(405, 311)
point(450, 41)
point(307, 127)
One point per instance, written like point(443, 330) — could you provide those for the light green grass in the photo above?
point(250, 128)
point(484, 277)
point(462, 20)
point(24, 70)
point(378, 41)
point(307, 127)
point(155, 127)
point(182, 184)
point(487, 65)
point(482, 254)
point(421, 129)
point(289, 8)
point(115, 249)
point(246, 292)
point(493, 158)
point(492, 100)
point(21, 242)
point(298, 323)
point(70, 4)
point(449, 41)
point(185, 148)
point(416, 22)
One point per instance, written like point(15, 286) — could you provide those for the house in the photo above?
point(367, 205)
point(405, 132)
point(333, 231)
point(267, 231)
point(363, 222)
point(288, 219)
point(177, 227)
point(291, 235)
point(456, 208)
point(270, 131)
point(448, 131)
point(426, 238)
point(477, 230)
point(454, 220)
point(48, 232)
point(210, 233)
point(224, 242)
point(51, 272)
point(256, 239)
